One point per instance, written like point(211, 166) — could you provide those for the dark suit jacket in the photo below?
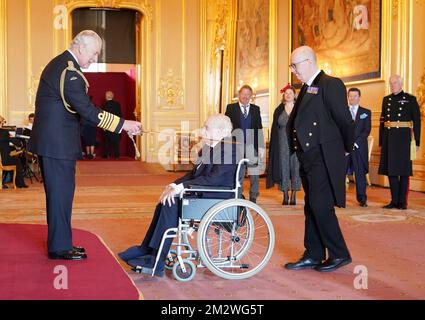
point(113, 107)
point(56, 131)
point(274, 170)
point(5, 149)
point(233, 111)
point(216, 168)
point(323, 120)
point(363, 125)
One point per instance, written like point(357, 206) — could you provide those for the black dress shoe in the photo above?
point(332, 264)
point(402, 207)
point(148, 271)
point(363, 204)
point(79, 249)
point(303, 263)
point(293, 199)
point(285, 201)
point(67, 255)
point(391, 206)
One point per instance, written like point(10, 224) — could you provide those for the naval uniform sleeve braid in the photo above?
point(74, 88)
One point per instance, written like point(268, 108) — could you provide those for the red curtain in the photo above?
point(123, 85)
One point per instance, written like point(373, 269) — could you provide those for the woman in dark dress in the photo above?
point(6, 159)
point(283, 168)
point(88, 133)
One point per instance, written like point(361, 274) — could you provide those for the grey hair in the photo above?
point(222, 122)
point(85, 38)
point(399, 78)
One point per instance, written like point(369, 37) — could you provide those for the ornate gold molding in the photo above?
point(421, 94)
point(3, 59)
point(170, 92)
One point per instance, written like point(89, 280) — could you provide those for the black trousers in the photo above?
point(398, 186)
point(322, 230)
point(164, 218)
point(112, 145)
point(59, 186)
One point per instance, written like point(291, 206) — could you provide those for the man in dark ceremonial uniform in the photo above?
point(400, 122)
point(321, 132)
point(61, 101)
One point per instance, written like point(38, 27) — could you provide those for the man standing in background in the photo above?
point(246, 119)
point(112, 139)
point(400, 124)
point(358, 160)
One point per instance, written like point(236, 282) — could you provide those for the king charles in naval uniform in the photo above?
point(60, 104)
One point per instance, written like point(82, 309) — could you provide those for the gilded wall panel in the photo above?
point(3, 59)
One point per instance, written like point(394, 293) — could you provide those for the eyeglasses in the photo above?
point(293, 66)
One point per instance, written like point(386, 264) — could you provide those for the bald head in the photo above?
point(109, 95)
point(305, 52)
point(304, 63)
point(396, 84)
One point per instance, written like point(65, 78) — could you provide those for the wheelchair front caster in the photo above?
point(170, 260)
point(182, 276)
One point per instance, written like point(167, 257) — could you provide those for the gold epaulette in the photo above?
point(108, 121)
point(72, 68)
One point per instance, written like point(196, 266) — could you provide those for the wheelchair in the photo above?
point(235, 237)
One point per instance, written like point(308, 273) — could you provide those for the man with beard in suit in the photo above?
point(321, 132)
point(61, 102)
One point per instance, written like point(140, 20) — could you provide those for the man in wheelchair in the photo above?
point(215, 167)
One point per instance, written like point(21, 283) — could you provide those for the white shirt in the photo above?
point(73, 55)
point(354, 109)
point(242, 109)
point(310, 82)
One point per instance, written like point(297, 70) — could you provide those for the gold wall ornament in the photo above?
point(170, 92)
point(32, 90)
point(221, 26)
point(395, 5)
point(421, 94)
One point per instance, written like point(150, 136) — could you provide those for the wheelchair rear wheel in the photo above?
point(231, 249)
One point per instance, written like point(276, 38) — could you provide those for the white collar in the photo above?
point(72, 53)
point(355, 107)
point(310, 81)
point(241, 105)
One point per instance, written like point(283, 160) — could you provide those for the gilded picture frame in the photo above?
point(346, 35)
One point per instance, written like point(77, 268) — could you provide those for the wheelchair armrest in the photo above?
point(209, 187)
point(201, 189)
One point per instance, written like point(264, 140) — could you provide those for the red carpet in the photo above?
point(27, 274)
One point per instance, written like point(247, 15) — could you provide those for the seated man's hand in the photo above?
point(168, 196)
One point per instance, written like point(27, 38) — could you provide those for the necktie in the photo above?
point(245, 111)
point(353, 113)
